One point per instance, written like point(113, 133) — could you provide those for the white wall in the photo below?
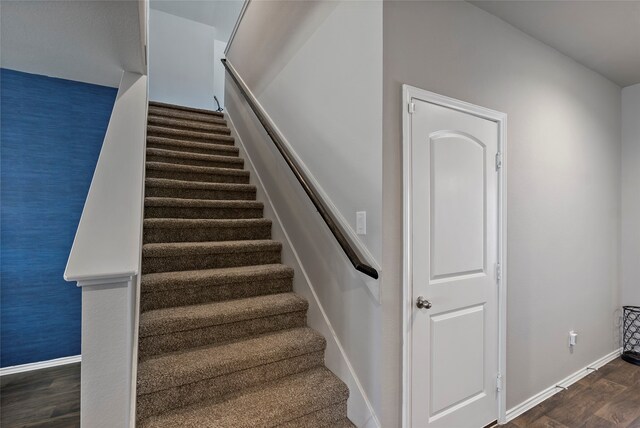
point(181, 61)
point(630, 242)
point(320, 81)
point(85, 41)
point(563, 184)
point(218, 70)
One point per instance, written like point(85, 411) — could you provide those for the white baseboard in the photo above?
point(533, 401)
point(359, 402)
point(40, 365)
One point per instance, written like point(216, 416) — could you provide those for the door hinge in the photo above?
point(498, 272)
point(412, 108)
point(498, 160)
point(499, 382)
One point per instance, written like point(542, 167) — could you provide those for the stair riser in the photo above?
point(203, 234)
point(170, 192)
point(186, 124)
point(217, 388)
point(208, 261)
point(197, 137)
point(155, 345)
point(214, 293)
point(230, 163)
point(181, 114)
point(187, 149)
point(209, 139)
point(221, 140)
point(328, 417)
point(207, 178)
point(199, 212)
point(211, 133)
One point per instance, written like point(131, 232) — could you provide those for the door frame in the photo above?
point(409, 93)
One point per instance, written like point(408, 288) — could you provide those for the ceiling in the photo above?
point(94, 41)
point(221, 14)
point(86, 41)
point(602, 35)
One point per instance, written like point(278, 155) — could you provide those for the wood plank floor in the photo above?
point(41, 398)
point(607, 398)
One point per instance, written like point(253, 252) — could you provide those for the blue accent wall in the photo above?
point(51, 132)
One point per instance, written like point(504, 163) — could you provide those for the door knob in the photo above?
point(423, 303)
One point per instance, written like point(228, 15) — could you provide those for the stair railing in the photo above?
point(351, 250)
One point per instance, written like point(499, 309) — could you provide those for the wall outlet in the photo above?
point(573, 338)
point(361, 222)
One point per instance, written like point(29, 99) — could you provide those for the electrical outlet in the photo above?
point(361, 222)
point(573, 338)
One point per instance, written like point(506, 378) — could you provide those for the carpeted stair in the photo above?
point(223, 340)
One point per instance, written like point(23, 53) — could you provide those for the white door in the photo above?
point(453, 326)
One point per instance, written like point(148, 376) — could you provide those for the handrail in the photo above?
point(348, 246)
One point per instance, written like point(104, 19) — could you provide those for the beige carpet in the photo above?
point(223, 340)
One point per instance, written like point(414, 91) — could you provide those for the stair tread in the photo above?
point(177, 122)
point(185, 108)
point(191, 155)
point(269, 405)
point(168, 249)
point(191, 144)
point(186, 223)
point(165, 166)
point(184, 133)
point(200, 203)
point(183, 184)
point(183, 318)
point(165, 371)
point(192, 278)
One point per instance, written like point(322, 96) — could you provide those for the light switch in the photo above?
point(361, 222)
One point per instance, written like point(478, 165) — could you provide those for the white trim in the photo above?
point(237, 24)
point(106, 247)
point(112, 279)
point(136, 292)
point(372, 285)
point(4, 371)
point(409, 93)
point(502, 259)
point(373, 419)
point(533, 401)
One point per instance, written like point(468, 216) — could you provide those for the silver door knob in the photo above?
point(423, 303)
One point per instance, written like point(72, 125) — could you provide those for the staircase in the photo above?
point(223, 340)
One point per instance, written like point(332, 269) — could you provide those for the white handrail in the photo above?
point(107, 242)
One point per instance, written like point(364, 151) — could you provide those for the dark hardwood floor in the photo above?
point(41, 398)
point(607, 398)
